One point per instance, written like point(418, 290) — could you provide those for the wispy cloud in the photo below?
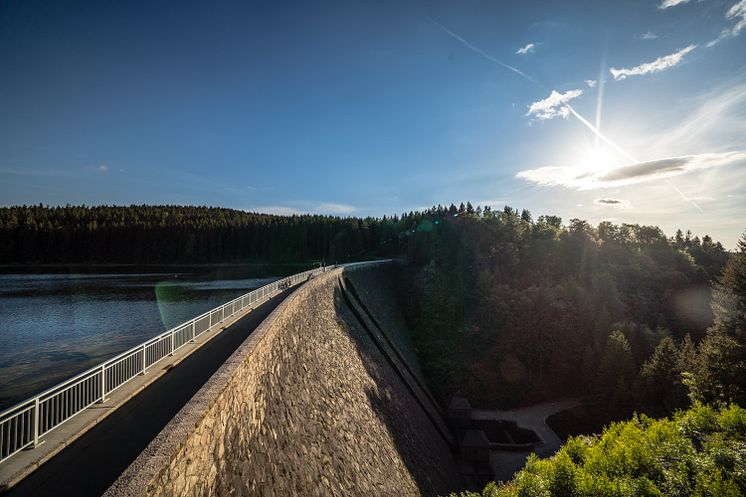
point(482, 52)
point(494, 203)
point(613, 202)
point(659, 64)
point(564, 110)
point(555, 105)
point(665, 4)
point(647, 36)
point(103, 168)
point(305, 208)
point(716, 121)
point(338, 209)
point(589, 178)
point(591, 83)
point(524, 50)
point(736, 13)
point(280, 210)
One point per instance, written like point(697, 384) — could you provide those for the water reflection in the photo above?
point(54, 325)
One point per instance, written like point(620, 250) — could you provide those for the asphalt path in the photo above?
point(93, 462)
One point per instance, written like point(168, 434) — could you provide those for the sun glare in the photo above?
point(598, 159)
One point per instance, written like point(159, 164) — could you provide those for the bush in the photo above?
point(699, 452)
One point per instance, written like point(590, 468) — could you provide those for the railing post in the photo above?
point(103, 383)
point(193, 331)
point(143, 359)
point(172, 343)
point(36, 422)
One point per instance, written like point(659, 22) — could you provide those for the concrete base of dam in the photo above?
point(310, 404)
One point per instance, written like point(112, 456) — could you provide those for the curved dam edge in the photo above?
point(138, 478)
point(308, 404)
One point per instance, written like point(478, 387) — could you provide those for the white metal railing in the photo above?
point(23, 425)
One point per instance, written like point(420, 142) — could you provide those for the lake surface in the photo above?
point(53, 326)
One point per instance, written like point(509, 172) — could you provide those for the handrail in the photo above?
point(23, 425)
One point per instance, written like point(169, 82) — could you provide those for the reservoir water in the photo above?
point(53, 326)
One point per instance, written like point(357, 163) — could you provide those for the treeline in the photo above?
point(504, 308)
point(507, 310)
point(156, 234)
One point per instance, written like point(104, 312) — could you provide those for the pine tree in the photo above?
point(660, 377)
point(614, 377)
point(526, 216)
point(721, 375)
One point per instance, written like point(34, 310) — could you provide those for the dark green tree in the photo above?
point(721, 376)
point(615, 378)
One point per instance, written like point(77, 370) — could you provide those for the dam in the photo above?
point(324, 396)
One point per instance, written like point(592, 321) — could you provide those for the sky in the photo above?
point(629, 111)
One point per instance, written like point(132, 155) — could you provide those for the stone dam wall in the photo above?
point(324, 398)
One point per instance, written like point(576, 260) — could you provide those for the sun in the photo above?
point(598, 159)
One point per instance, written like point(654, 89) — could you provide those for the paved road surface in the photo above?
point(505, 462)
point(94, 461)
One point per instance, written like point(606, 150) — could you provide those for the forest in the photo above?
point(510, 311)
point(170, 234)
point(504, 309)
point(507, 310)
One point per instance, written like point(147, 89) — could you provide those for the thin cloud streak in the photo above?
point(481, 52)
point(529, 78)
point(648, 36)
point(717, 120)
point(659, 64)
point(600, 135)
point(567, 105)
point(688, 199)
point(584, 121)
point(737, 13)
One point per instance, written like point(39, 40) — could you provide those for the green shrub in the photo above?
point(699, 452)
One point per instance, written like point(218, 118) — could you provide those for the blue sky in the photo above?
point(631, 111)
